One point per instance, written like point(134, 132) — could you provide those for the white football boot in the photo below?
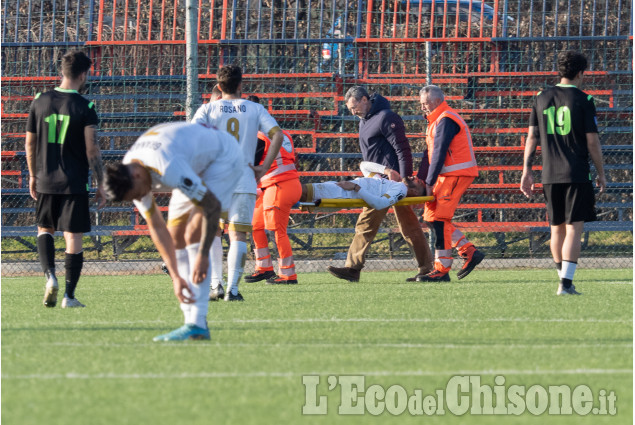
point(71, 303)
point(50, 292)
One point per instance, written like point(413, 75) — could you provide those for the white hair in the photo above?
point(434, 93)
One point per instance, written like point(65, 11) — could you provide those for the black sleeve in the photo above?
point(91, 115)
point(422, 174)
point(394, 131)
point(31, 122)
point(533, 117)
point(590, 119)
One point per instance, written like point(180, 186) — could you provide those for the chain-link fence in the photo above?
point(300, 57)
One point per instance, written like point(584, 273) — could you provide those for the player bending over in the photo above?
point(202, 167)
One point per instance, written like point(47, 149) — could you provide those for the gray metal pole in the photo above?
point(191, 57)
point(428, 63)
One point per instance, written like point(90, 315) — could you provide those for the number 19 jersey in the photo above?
point(242, 119)
point(564, 115)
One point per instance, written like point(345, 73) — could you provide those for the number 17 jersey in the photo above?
point(242, 119)
point(58, 119)
point(564, 115)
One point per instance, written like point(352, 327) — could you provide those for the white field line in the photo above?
point(424, 320)
point(295, 375)
point(352, 320)
point(349, 345)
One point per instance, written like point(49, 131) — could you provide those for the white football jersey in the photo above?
point(242, 119)
point(178, 154)
point(380, 193)
point(377, 191)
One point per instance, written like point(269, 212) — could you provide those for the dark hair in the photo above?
point(74, 63)
point(413, 182)
point(117, 182)
point(356, 92)
point(253, 98)
point(229, 78)
point(570, 63)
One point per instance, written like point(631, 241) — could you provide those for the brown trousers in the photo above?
point(367, 226)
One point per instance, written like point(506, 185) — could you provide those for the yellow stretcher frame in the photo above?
point(358, 203)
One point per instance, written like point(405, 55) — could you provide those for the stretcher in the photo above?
point(341, 204)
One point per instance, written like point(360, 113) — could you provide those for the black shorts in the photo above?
point(65, 213)
point(569, 202)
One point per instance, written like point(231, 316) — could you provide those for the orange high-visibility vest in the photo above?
point(283, 167)
point(460, 160)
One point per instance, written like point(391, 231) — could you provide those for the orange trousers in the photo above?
point(272, 211)
point(438, 214)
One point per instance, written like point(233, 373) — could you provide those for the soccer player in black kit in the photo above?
point(61, 146)
point(563, 120)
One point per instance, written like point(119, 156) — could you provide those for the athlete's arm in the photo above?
point(201, 115)
point(274, 148)
point(369, 169)
point(94, 161)
point(376, 202)
point(163, 241)
point(209, 224)
point(31, 140)
point(527, 179)
point(595, 151)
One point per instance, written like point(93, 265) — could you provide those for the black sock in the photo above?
point(46, 251)
point(566, 283)
point(73, 264)
point(559, 266)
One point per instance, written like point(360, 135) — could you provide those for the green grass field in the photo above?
point(98, 365)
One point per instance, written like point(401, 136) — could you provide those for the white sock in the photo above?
point(200, 292)
point(183, 267)
point(216, 260)
point(568, 270)
point(235, 264)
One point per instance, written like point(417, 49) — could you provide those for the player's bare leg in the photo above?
point(177, 231)
point(216, 255)
point(558, 234)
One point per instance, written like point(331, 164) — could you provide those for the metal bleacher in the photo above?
point(490, 57)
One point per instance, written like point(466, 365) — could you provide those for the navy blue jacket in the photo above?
point(382, 137)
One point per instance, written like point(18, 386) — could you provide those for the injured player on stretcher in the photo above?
point(374, 188)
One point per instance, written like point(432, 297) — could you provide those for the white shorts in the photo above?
point(241, 212)
point(220, 179)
